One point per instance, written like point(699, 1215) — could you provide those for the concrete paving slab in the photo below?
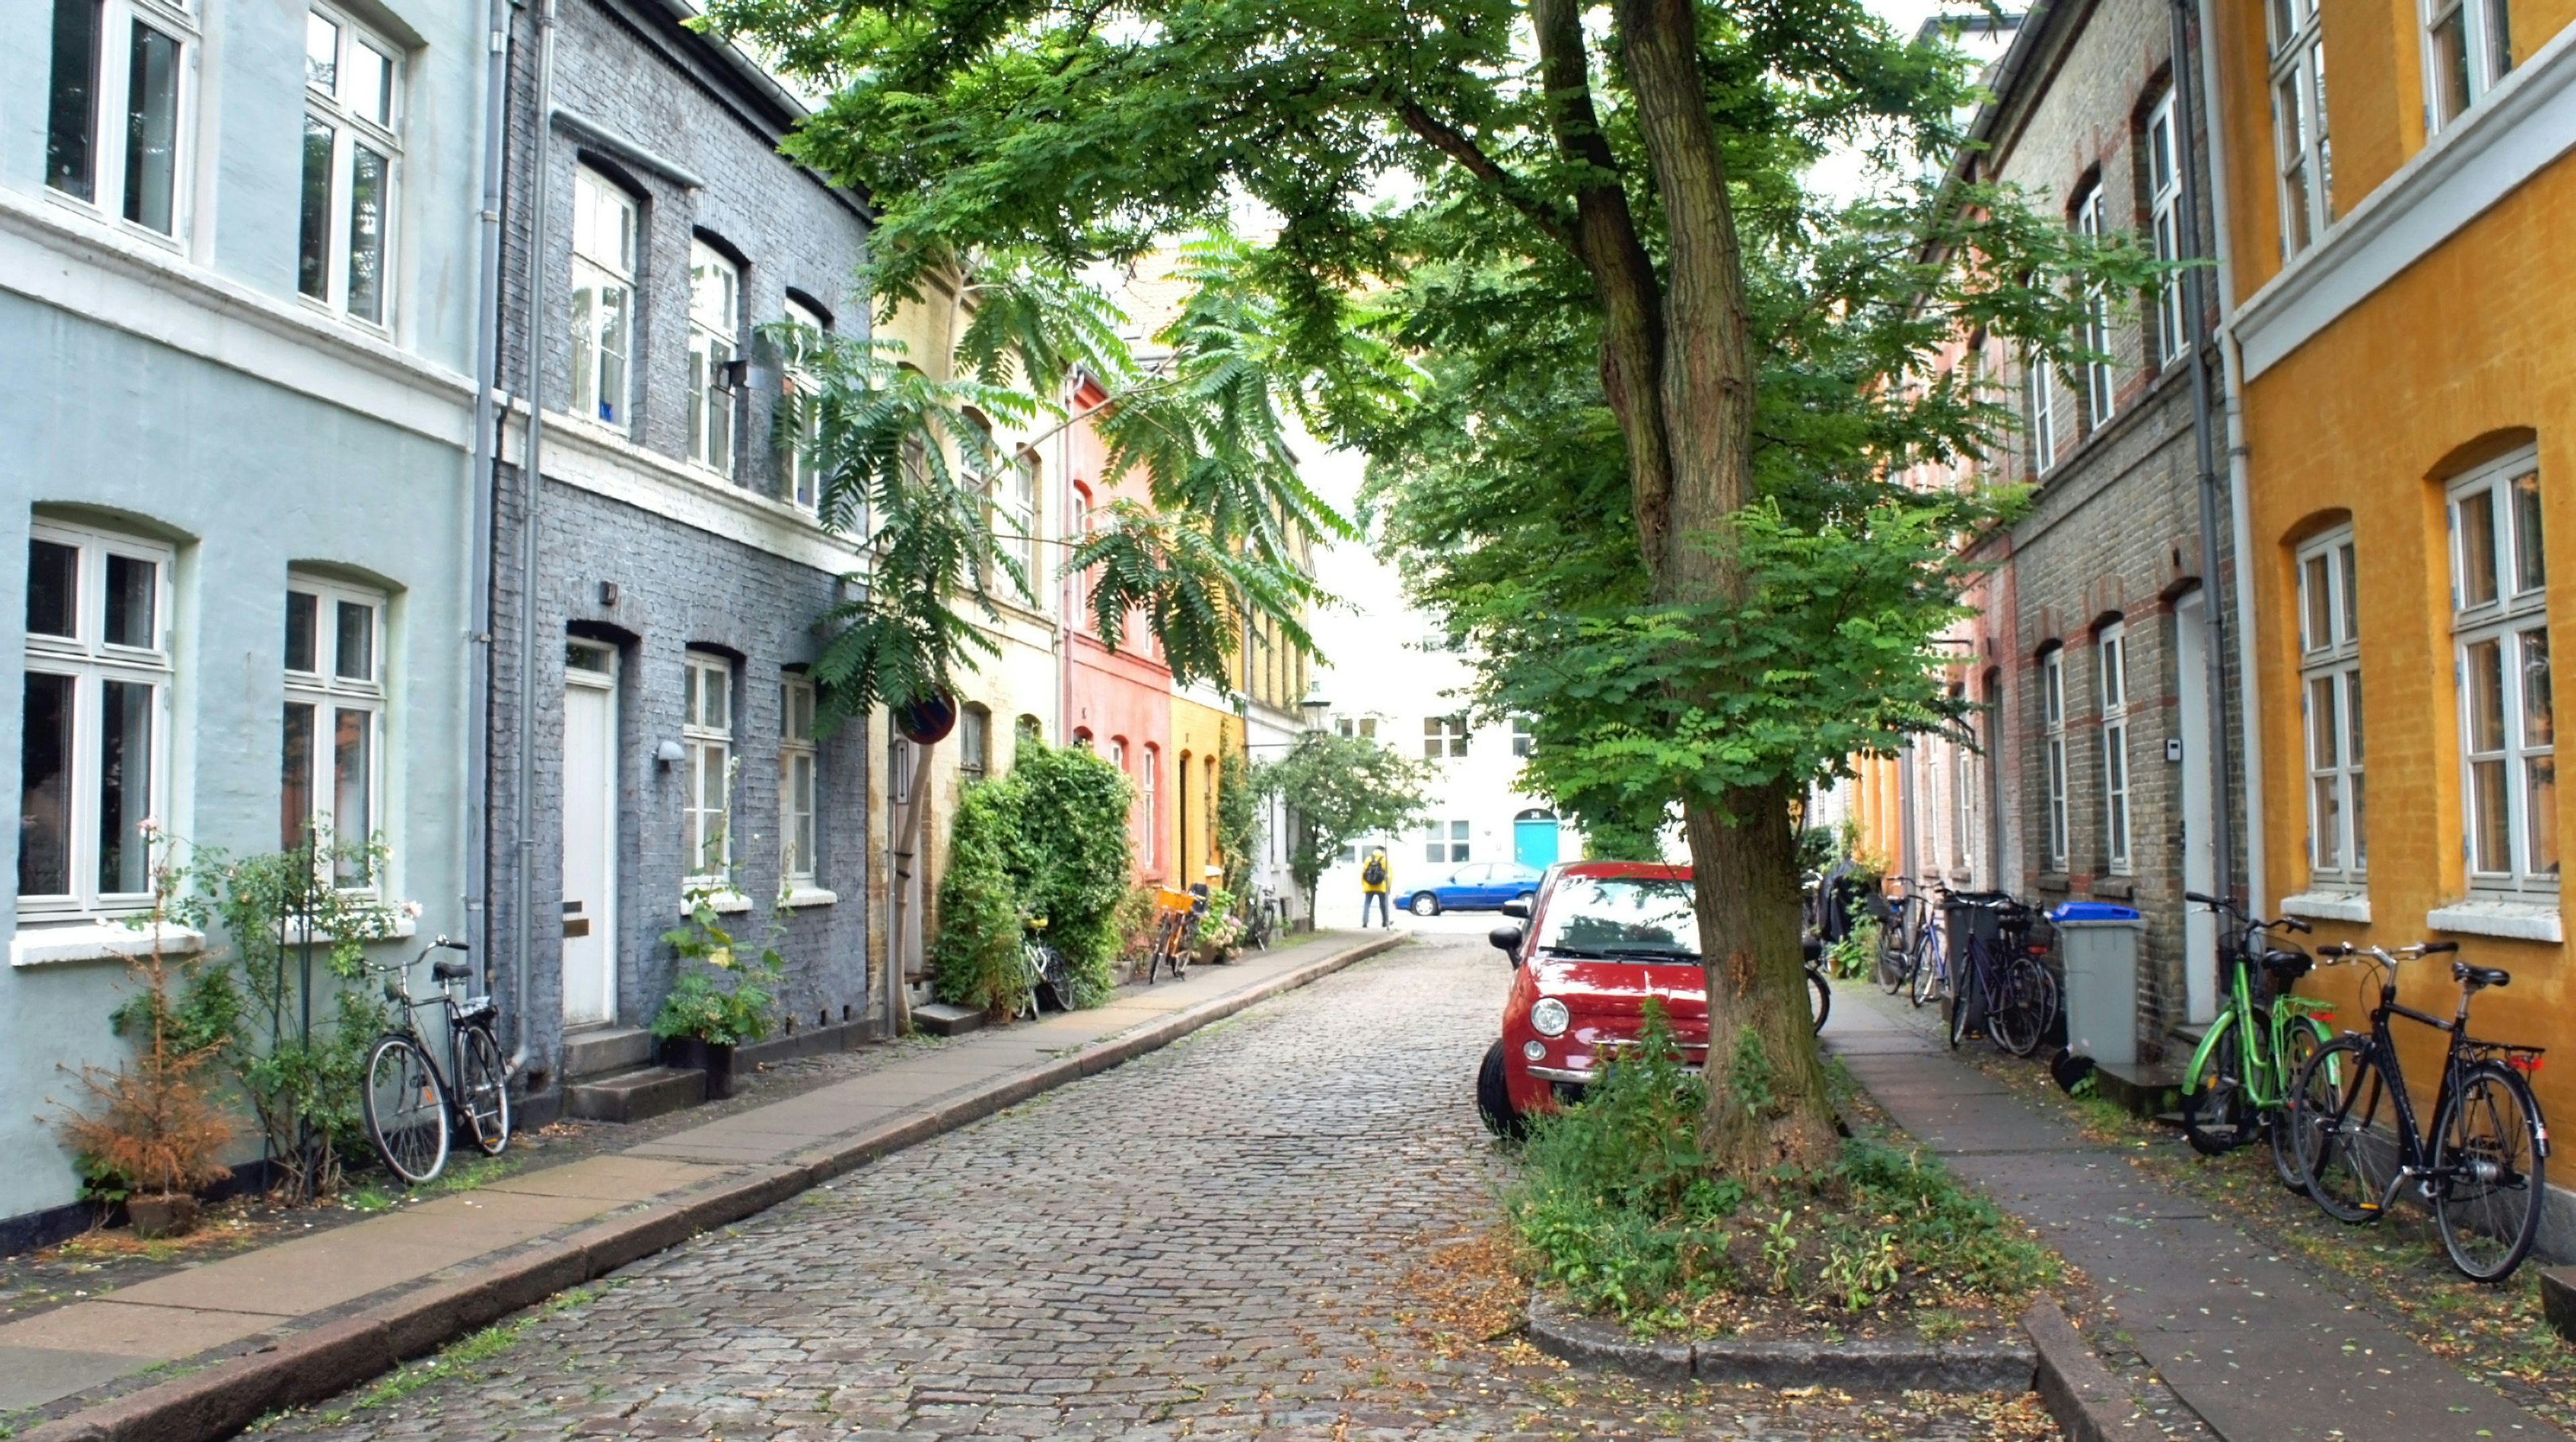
point(463, 1231)
point(621, 1178)
point(808, 1122)
point(133, 1330)
point(314, 1272)
point(34, 1376)
point(488, 1204)
point(720, 1155)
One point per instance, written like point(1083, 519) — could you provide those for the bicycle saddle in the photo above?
point(2480, 975)
point(446, 970)
point(2289, 963)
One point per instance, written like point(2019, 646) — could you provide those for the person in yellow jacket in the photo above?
point(1374, 878)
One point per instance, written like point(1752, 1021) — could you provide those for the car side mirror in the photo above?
point(1516, 907)
point(1507, 940)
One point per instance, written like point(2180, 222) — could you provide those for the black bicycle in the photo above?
point(411, 1101)
point(2482, 1169)
point(2001, 981)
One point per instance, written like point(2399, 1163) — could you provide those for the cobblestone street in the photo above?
point(1224, 1239)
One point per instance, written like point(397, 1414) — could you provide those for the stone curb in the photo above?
point(1848, 1366)
point(2087, 1401)
point(326, 1360)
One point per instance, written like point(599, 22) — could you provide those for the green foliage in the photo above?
point(1617, 1206)
point(296, 926)
point(1338, 789)
point(716, 995)
point(1219, 926)
point(1048, 839)
point(1238, 820)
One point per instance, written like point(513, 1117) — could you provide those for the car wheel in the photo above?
point(1424, 904)
point(1494, 1099)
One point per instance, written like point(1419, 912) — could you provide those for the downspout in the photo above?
point(2241, 515)
point(2205, 449)
point(532, 488)
point(486, 478)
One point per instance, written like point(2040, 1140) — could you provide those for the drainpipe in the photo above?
point(2241, 515)
point(532, 487)
point(486, 477)
point(2205, 448)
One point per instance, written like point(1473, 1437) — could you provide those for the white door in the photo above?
point(590, 835)
point(2199, 833)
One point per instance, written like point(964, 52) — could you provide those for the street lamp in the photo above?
point(1315, 706)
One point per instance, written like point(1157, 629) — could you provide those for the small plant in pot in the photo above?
point(151, 1133)
point(1220, 929)
point(718, 1001)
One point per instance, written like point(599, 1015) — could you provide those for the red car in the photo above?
point(1603, 936)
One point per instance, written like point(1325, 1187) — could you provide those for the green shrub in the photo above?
point(975, 959)
point(717, 996)
point(1616, 1206)
point(1046, 840)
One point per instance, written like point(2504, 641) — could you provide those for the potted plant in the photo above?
point(1220, 930)
point(717, 1001)
point(152, 1134)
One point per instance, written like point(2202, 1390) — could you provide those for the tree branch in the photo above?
point(1454, 143)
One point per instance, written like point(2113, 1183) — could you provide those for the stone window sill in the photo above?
point(2329, 906)
point(63, 943)
point(2514, 920)
point(810, 896)
point(725, 903)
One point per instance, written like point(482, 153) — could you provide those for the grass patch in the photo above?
point(457, 1357)
point(378, 1194)
point(1617, 1207)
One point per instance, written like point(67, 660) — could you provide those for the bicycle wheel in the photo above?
point(2301, 1044)
point(483, 1080)
point(406, 1110)
point(2344, 1125)
point(2012, 1017)
point(2487, 1160)
point(1931, 967)
point(2217, 1115)
point(1895, 954)
point(1820, 997)
point(1962, 998)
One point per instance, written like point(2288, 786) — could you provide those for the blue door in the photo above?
point(1534, 842)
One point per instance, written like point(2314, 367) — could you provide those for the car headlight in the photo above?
point(1549, 1017)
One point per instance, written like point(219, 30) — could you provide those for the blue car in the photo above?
point(1474, 886)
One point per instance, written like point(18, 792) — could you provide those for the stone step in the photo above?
point(600, 1050)
point(635, 1095)
point(2145, 1089)
point(941, 1019)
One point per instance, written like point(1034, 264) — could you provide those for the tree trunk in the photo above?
point(1677, 370)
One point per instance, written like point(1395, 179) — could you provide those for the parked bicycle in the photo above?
point(2238, 1081)
point(1045, 977)
point(2001, 981)
point(1820, 996)
point(1175, 934)
point(1261, 919)
point(2482, 1168)
point(411, 1100)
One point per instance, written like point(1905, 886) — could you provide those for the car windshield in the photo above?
point(1623, 918)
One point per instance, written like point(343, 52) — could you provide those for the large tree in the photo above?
point(1595, 166)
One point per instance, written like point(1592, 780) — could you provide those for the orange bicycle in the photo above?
point(1175, 917)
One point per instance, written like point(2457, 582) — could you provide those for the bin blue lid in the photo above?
point(2092, 911)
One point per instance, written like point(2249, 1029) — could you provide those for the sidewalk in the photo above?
point(305, 1318)
point(2246, 1340)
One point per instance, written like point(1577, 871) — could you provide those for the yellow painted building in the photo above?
point(2402, 342)
point(1201, 735)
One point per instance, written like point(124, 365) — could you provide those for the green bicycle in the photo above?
point(2238, 1082)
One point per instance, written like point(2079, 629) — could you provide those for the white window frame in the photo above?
point(2052, 693)
point(2164, 211)
point(1151, 787)
point(92, 663)
point(2302, 148)
point(707, 746)
point(2484, 58)
point(330, 103)
point(331, 696)
point(1447, 843)
point(974, 741)
point(2100, 384)
point(802, 461)
point(2330, 711)
point(1524, 737)
point(1444, 736)
point(2039, 406)
point(2111, 663)
point(799, 780)
point(607, 234)
point(2513, 620)
point(715, 342)
point(108, 136)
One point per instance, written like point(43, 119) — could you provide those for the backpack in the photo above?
point(1375, 872)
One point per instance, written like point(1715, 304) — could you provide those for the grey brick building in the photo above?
point(2093, 777)
point(650, 723)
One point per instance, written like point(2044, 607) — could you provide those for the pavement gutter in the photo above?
point(325, 1360)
